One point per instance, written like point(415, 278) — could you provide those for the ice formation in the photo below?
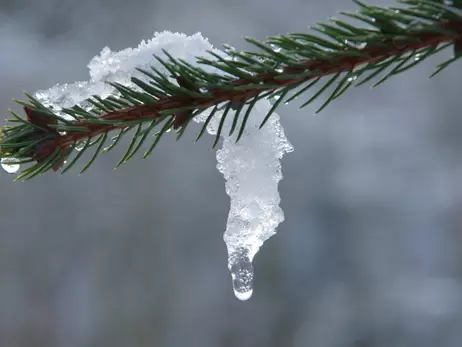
point(252, 171)
point(251, 168)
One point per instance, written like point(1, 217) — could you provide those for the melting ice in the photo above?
point(251, 168)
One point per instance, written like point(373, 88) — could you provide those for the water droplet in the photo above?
point(275, 48)
point(358, 45)
point(62, 133)
point(352, 78)
point(241, 269)
point(87, 106)
point(231, 58)
point(279, 69)
point(113, 139)
point(273, 98)
point(10, 165)
point(417, 56)
point(355, 44)
point(80, 146)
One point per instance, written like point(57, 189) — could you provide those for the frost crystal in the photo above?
point(251, 168)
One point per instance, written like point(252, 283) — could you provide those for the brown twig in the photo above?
point(321, 68)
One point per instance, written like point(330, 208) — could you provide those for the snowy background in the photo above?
point(370, 253)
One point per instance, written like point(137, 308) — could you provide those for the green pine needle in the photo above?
point(386, 42)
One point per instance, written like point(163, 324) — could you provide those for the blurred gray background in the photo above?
point(370, 253)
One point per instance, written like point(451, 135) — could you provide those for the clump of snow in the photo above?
point(251, 168)
point(121, 66)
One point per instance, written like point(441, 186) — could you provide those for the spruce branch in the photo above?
point(340, 55)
